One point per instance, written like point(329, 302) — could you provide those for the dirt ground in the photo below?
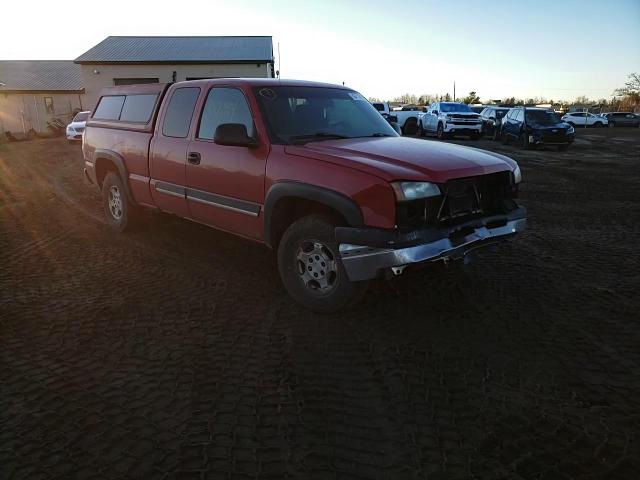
point(175, 353)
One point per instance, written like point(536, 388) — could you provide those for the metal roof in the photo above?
point(40, 75)
point(180, 50)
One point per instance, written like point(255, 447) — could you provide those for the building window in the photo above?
point(133, 81)
point(48, 105)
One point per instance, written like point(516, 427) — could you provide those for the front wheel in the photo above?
point(612, 124)
point(311, 268)
point(120, 213)
point(524, 141)
point(440, 133)
point(597, 124)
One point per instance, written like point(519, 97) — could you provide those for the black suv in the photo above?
point(491, 120)
point(536, 126)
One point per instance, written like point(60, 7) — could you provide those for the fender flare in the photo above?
point(335, 200)
point(118, 161)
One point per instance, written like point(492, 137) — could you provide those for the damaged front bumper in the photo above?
point(367, 252)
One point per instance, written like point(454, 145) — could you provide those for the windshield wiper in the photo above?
point(316, 137)
point(378, 134)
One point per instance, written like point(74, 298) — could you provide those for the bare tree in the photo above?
point(631, 87)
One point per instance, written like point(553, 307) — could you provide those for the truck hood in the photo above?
point(400, 158)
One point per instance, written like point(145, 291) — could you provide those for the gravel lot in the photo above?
point(175, 353)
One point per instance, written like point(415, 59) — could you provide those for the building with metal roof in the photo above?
point(35, 92)
point(129, 60)
point(179, 50)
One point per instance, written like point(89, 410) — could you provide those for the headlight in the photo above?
point(415, 190)
point(517, 175)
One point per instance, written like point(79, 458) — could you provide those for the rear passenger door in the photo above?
point(169, 151)
point(225, 184)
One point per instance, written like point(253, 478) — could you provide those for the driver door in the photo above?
point(225, 184)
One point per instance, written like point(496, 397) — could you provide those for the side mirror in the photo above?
point(234, 135)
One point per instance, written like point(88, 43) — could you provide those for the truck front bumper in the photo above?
point(367, 252)
point(462, 128)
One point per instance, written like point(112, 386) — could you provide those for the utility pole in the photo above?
point(454, 90)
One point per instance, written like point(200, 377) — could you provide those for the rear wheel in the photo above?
point(410, 126)
point(120, 213)
point(311, 268)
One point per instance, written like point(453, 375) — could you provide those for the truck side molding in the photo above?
point(332, 199)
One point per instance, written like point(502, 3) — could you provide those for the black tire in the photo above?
point(597, 124)
point(339, 293)
point(440, 133)
point(524, 141)
point(563, 148)
point(121, 216)
point(410, 126)
point(612, 124)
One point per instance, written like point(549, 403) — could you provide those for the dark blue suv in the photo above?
point(536, 126)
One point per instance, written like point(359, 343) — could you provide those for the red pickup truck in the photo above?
point(311, 170)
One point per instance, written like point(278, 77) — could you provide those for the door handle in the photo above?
point(193, 158)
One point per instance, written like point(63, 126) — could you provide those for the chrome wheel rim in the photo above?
point(317, 266)
point(114, 202)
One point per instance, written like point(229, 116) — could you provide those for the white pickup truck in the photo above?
point(450, 118)
point(407, 118)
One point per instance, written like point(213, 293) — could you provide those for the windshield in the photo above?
point(304, 114)
point(81, 117)
point(454, 107)
point(542, 117)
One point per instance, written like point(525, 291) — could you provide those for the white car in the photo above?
point(76, 127)
point(450, 118)
point(581, 119)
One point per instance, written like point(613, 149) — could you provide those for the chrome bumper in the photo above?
point(365, 263)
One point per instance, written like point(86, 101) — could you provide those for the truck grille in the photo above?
point(461, 200)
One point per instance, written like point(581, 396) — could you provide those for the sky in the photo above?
point(557, 49)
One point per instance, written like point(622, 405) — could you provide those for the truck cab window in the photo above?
point(224, 105)
point(177, 119)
